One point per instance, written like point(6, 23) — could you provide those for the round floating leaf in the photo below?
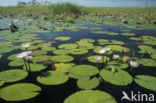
point(103, 59)
point(61, 51)
point(0, 55)
point(145, 49)
point(153, 56)
point(118, 64)
point(31, 48)
point(35, 67)
point(41, 58)
point(128, 34)
point(2, 83)
point(13, 75)
point(87, 40)
point(62, 58)
point(148, 82)
point(78, 51)
point(146, 62)
point(13, 57)
point(52, 78)
point(118, 77)
point(64, 38)
point(68, 46)
point(17, 62)
point(63, 67)
point(48, 48)
point(87, 83)
point(20, 91)
point(38, 52)
point(90, 96)
point(112, 33)
point(118, 48)
point(83, 70)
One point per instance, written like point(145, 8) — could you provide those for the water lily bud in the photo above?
point(28, 58)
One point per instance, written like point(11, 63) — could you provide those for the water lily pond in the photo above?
point(75, 62)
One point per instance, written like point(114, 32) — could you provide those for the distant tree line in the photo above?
point(34, 3)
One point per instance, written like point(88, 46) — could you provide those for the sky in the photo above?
point(93, 3)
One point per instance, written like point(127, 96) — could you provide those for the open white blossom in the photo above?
point(133, 64)
point(24, 54)
point(25, 45)
point(104, 50)
point(116, 56)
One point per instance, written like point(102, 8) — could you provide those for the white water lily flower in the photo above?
point(25, 45)
point(97, 59)
point(133, 64)
point(104, 50)
point(24, 54)
point(28, 58)
point(116, 56)
point(15, 21)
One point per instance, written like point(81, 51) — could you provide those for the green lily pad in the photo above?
point(2, 83)
point(64, 38)
point(63, 67)
point(146, 62)
point(68, 46)
point(145, 49)
point(1, 55)
point(48, 48)
point(118, 64)
point(153, 56)
point(128, 34)
point(52, 78)
point(78, 51)
point(119, 77)
point(13, 57)
point(61, 51)
point(17, 62)
point(13, 75)
point(62, 58)
point(38, 52)
point(112, 33)
point(41, 58)
point(118, 48)
point(103, 59)
point(148, 82)
point(87, 83)
point(87, 40)
point(83, 70)
point(20, 91)
point(6, 49)
point(36, 67)
point(32, 47)
point(90, 96)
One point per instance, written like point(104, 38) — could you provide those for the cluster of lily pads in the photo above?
point(104, 61)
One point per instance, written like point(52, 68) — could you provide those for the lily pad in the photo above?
point(64, 38)
point(128, 34)
point(62, 58)
point(103, 59)
point(38, 52)
point(48, 48)
point(17, 62)
point(148, 82)
point(63, 67)
point(13, 75)
point(2, 83)
point(68, 46)
point(153, 56)
point(146, 62)
point(61, 51)
point(119, 77)
point(20, 91)
point(1, 55)
point(145, 49)
point(83, 70)
point(41, 58)
point(118, 64)
point(78, 51)
point(90, 96)
point(118, 48)
point(52, 78)
point(87, 40)
point(87, 83)
point(36, 67)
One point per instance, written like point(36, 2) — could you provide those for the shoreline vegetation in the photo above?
point(68, 11)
